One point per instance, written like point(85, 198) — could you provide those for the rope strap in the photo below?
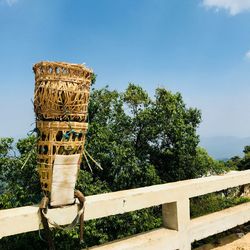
point(79, 195)
point(46, 220)
point(42, 209)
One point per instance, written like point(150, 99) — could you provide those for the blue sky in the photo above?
point(198, 47)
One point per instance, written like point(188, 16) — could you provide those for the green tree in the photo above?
point(17, 180)
point(233, 163)
point(206, 165)
point(111, 141)
point(244, 163)
point(138, 140)
point(141, 140)
point(171, 137)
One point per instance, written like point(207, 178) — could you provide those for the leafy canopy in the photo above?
point(139, 140)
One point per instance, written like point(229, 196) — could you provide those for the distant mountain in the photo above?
point(224, 147)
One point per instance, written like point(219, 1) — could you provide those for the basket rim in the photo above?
point(63, 64)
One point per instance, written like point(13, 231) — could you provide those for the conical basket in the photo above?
point(63, 138)
point(61, 91)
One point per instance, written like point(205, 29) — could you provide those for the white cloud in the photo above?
point(247, 55)
point(9, 2)
point(234, 7)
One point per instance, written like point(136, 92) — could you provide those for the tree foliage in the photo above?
point(138, 140)
point(240, 163)
point(244, 163)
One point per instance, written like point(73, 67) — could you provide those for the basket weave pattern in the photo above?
point(61, 138)
point(60, 102)
point(61, 91)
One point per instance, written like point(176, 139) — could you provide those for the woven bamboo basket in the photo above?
point(57, 138)
point(61, 91)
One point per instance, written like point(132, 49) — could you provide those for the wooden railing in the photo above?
point(178, 231)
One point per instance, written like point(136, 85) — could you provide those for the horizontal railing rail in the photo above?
point(178, 231)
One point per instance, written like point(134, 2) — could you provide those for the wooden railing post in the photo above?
point(176, 216)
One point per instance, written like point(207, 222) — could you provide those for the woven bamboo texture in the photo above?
point(61, 91)
point(57, 138)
